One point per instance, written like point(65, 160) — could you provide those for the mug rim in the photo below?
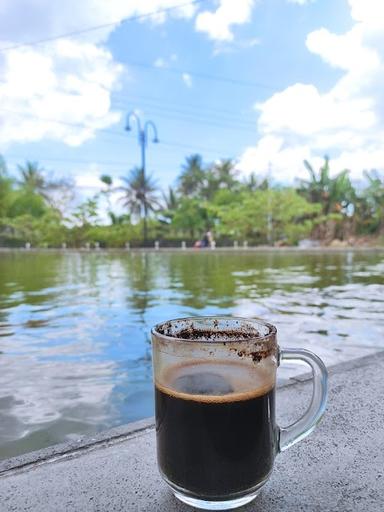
point(272, 330)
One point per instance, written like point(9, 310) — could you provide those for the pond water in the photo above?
point(75, 352)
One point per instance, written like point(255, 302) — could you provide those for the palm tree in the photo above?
point(335, 194)
point(56, 192)
point(5, 187)
point(170, 199)
point(32, 178)
point(225, 173)
point(374, 196)
point(108, 181)
point(170, 203)
point(118, 220)
point(3, 166)
point(252, 183)
point(192, 176)
point(220, 175)
point(139, 195)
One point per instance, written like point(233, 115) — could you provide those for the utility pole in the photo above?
point(142, 137)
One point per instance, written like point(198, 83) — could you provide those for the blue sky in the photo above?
point(304, 81)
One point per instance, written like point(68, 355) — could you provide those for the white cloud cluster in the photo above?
point(187, 79)
point(69, 80)
point(346, 121)
point(218, 24)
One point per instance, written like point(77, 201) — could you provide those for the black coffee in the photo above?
point(213, 440)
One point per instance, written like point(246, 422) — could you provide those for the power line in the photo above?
point(205, 76)
point(193, 147)
point(209, 121)
point(155, 100)
point(99, 27)
point(180, 71)
point(170, 144)
point(185, 114)
point(182, 119)
point(122, 101)
point(116, 163)
point(70, 160)
point(65, 123)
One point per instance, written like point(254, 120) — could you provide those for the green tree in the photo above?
point(56, 192)
point(218, 176)
point(26, 202)
point(334, 194)
point(191, 179)
point(86, 213)
point(140, 196)
point(170, 204)
point(253, 183)
point(108, 181)
point(374, 199)
point(118, 220)
point(170, 199)
point(284, 212)
point(5, 188)
point(225, 173)
point(191, 216)
point(32, 178)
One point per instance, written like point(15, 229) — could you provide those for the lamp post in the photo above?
point(142, 138)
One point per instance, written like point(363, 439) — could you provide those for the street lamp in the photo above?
point(142, 137)
point(142, 134)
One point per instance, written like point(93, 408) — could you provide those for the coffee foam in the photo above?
point(246, 381)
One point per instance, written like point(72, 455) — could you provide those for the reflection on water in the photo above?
point(74, 328)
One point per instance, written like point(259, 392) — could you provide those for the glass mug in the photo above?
point(215, 380)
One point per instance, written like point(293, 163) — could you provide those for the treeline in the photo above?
point(41, 210)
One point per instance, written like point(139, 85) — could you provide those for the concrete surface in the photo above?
point(339, 468)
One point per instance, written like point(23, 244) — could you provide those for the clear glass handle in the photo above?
point(306, 424)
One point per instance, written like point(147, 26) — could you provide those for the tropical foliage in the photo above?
point(45, 212)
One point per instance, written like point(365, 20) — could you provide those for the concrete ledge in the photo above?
point(119, 434)
point(339, 468)
point(76, 447)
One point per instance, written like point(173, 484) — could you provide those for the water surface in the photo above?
point(74, 327)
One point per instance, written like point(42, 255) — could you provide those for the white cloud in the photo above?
point(160, 63)
point(218, 24)
point(233, 46)
point(300, 2)
point(346, 122)
point(187, 79)
point(67, 81)
point(271, 156)
point(345, 51)
point(90, 181)
point(369, 12)
point(70, 79)
point(163, 62)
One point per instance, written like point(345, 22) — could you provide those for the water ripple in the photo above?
point(74, 328)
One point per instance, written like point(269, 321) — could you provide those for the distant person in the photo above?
point(205, 241)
